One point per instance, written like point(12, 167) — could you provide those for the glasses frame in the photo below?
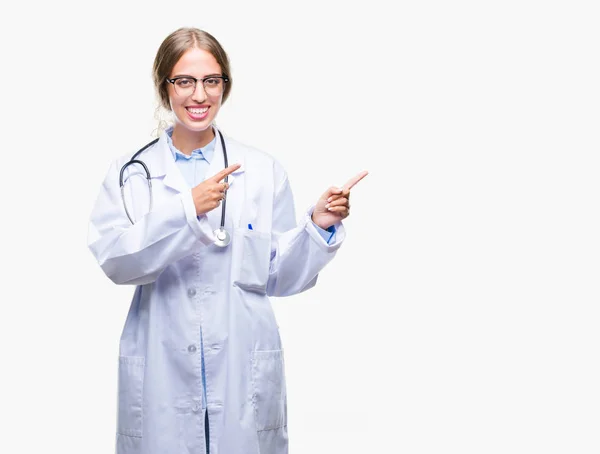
point(175, 79)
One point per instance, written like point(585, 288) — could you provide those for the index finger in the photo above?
point(226, 171)
point(352, 181)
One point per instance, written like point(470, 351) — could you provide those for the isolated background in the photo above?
point(461, 315)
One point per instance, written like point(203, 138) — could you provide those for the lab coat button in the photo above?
point(196, 407)
point(192, 348)
point(191, 292)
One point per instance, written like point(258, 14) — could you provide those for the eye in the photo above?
point(183, 83)
point(212, 81)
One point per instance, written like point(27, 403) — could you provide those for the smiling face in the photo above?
point(195, 111)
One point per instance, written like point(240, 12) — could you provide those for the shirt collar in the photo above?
point(205, 152)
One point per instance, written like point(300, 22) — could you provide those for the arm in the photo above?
point(137, 254)
point(298, 252)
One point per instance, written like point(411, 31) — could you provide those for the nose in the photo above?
point(199, 94)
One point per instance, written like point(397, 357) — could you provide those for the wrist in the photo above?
point(318, 224)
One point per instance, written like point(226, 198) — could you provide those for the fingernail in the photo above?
point(329, 209)
point(327, 206)
point(329, 199)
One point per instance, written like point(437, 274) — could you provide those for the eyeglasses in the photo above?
point(186, 85)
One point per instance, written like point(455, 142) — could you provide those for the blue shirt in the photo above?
point(192, 167)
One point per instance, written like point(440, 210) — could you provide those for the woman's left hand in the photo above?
point(334, 204)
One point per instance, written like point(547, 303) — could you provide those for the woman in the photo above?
point(201, 366)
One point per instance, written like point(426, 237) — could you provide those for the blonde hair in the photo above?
point(169, 53)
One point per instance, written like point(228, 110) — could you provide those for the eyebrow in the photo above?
point(187, 75)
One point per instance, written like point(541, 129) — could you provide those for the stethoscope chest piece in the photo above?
point(222, 237)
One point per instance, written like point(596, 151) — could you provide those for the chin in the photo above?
point(196, 126)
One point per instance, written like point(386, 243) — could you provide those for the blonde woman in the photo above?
point(201, 366)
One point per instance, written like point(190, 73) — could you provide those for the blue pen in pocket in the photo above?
point(249, 226)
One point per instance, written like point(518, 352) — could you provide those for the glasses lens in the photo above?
point(213, 86)
point(184, 87)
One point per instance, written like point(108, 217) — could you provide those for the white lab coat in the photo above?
point(186, 284)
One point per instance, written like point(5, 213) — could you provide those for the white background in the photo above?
point(460, 316)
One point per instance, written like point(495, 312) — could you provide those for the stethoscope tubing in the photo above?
point(133, 160)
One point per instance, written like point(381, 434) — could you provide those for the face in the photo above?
point(196, 110)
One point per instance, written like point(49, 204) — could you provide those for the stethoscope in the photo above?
point(222, 236)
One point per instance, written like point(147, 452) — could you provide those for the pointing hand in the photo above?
point(208, 194)
point(334, 204)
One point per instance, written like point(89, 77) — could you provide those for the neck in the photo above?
point(187, 141)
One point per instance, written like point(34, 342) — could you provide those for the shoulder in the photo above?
point(255, 157)
point(149, 150)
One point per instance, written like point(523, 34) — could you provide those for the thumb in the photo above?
point(333, 190)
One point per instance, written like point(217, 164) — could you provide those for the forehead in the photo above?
point(196, 62)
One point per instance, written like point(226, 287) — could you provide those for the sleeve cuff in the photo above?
point(199, 224)
point(326, 234)
point(330, 239)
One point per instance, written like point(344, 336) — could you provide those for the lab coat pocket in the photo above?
point(131, 386)
point(269, 392)
point(252, 253)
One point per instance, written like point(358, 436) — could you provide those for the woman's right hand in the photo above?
point(208, 194)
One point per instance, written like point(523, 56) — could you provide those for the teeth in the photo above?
point(197, 111)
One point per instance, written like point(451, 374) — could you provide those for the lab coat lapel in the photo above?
point(161, 164)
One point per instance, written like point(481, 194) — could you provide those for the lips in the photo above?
point(197, 112)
